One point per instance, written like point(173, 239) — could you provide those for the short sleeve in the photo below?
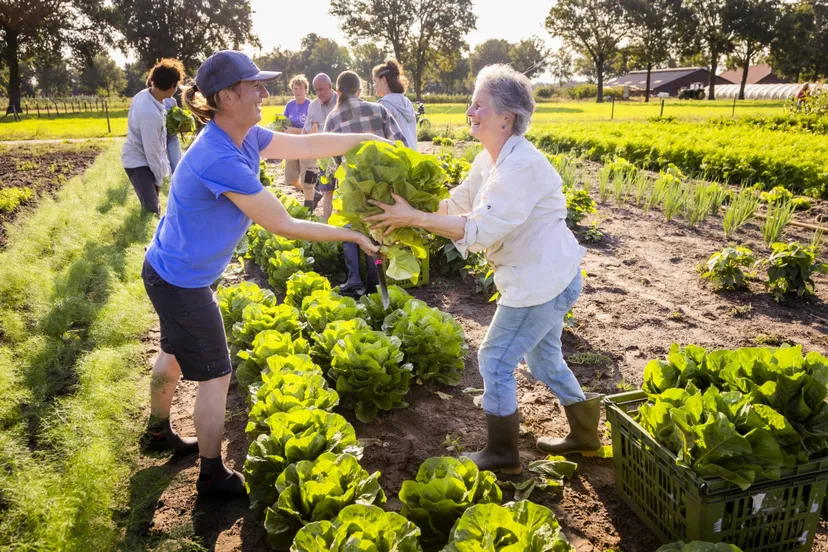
point(263, 136)
point(228, 174)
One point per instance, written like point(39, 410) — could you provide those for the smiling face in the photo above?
point(245, 101)
point(486, 123)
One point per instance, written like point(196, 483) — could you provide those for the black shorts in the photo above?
point(191, 327)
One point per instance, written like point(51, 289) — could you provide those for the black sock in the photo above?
point(214, 468)
point(309, 204)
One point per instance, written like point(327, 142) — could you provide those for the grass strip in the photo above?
point(72, 315)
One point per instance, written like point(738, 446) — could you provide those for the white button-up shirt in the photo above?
point(515, 210)
point(146, 142)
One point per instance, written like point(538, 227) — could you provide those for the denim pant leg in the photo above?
point(546, 361)
point(173, 151)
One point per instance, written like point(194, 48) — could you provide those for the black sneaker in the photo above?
point(231, 487)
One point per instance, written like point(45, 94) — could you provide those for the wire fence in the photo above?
point(51, 107)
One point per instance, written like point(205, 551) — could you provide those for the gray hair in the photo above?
point(511, 92)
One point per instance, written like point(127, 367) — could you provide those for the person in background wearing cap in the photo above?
point(215, 193)
point(144, 155)
point(318, 112)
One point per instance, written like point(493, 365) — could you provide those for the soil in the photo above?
point(642, 293)
point(44, 168)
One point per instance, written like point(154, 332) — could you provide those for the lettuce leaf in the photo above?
point(517, 526)
point(359, 527)
point(373, 171)
point(288, 391)
point(258, 317)
point(322, 307)
point(318, 490)
point(374, 310)
point(432, 340)
point(443, 489)
point(323, 342)
point(369, 372)
point(232, 301)
point(292, 437)
point(266, 344)
point(301, 285)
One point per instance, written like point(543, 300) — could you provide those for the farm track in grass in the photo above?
point(44, 169)
point(642, 293)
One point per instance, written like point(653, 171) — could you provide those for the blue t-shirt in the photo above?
point(197, 235)
point(297, 114)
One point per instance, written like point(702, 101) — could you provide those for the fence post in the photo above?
point(108, 126)
point(660, 115)
point(37, 106)
point(48, 113)
point(612, 113)
point(733, 113)
point(27, 109)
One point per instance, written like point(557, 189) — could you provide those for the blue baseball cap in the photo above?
point(226, 68)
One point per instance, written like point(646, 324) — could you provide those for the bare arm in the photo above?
point(402, 215)
point(268, 212)
point(314, 146)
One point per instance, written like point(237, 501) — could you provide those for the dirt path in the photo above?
point(60, 141)
point(642, 293)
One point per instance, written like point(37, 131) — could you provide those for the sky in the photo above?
point(284, 23)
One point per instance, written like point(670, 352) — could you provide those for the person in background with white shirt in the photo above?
point(512, 207)
point(390, 85)
point(144, 155)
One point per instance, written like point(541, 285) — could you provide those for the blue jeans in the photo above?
point(533, 333)
point(173, 151)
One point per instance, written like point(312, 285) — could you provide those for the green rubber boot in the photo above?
point(583, 437)
point(501, 453)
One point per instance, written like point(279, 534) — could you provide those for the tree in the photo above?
point(54, 80)
point(322, 55)
point(41, 28)
point(283, 60)
point(652, 25)
point(415, 30)
point(561, 65)
point(714, 22)
point(189, 30)
point(619, 63)
point(103, 77)
point(135, 77)
point(800, 49)
point(530, 56)
point(593, 26)
point(494, 50)
point(755, 30)
point(449, 73)
point(365, 57)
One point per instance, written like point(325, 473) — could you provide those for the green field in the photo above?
point(93, 125)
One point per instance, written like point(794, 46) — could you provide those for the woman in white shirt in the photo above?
point(512, 207)
point(144, 155)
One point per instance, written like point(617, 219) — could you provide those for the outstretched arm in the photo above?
point(314, 146)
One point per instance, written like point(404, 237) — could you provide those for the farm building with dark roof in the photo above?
point(757, 74)
point(666, 80)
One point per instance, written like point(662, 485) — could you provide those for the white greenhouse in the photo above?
point(763, 91)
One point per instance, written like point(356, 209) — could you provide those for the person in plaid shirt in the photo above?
point(354, 115)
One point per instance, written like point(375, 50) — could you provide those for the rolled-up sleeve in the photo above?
point(506, 203)
point(154, 142)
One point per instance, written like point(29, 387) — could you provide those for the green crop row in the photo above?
point(11, 198)
point(735, 154)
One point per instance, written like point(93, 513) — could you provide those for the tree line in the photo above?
point(59, 47)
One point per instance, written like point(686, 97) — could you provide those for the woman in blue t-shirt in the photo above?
point(296, 111)
point(214, 195)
